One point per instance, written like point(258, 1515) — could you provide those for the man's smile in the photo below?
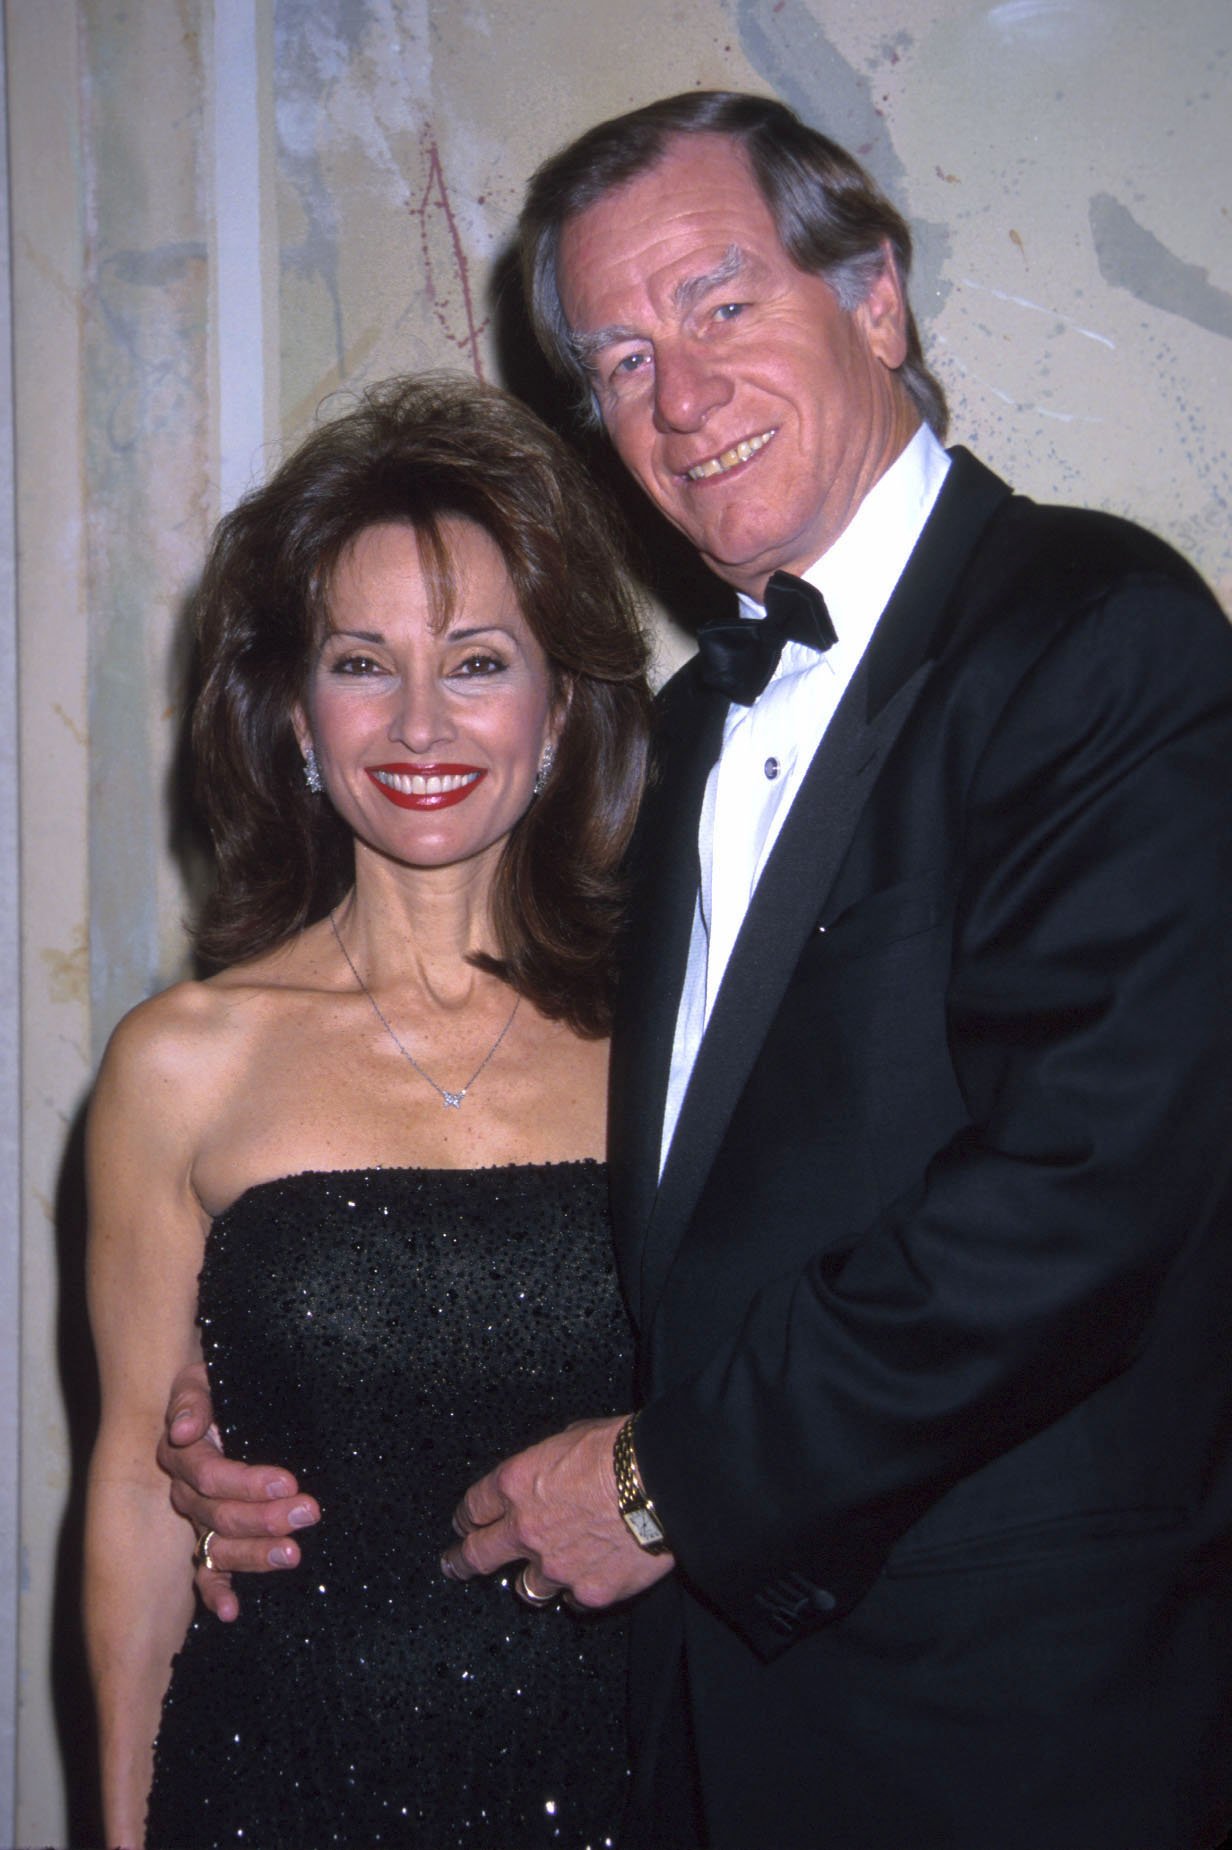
point(728, 459)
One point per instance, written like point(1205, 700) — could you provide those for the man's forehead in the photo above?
point(695, 220)
point(715, 167)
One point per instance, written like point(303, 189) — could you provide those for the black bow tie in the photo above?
point(739, 654)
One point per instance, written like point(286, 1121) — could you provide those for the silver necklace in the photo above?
point(453, 1099)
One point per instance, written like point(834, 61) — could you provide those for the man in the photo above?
point(921, 1103)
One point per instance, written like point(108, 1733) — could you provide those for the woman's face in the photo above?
point(428, 739)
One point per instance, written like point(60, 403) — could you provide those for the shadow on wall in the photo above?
point(72, 1702)
point(188, 841)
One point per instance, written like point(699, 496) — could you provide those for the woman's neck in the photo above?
point(419, 927)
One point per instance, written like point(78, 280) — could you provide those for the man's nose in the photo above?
point(689, 386)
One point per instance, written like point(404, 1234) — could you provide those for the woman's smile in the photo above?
point(426, 786)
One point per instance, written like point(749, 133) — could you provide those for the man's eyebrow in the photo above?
point(585, 347)
point(685, 297)
point(695, 289)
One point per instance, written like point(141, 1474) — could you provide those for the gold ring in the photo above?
point(201, 1553)
point(525, 1591)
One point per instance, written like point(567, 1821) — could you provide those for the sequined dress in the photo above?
point(389, 1334)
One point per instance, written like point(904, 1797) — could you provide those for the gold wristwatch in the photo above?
point(641, 1517)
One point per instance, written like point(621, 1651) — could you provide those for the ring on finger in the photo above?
point(525, 1591)
point(201, 1553)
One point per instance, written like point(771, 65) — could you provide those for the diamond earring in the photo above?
point(312, 772)
point(545, 768)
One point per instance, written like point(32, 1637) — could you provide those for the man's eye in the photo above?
point(728, 311)
point(631, 363)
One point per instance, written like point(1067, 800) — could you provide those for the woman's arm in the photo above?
point(146, 1238)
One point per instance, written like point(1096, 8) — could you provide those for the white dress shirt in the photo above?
point(768, 747)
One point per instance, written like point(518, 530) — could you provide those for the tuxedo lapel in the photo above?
point(690, 734)
point(802, 866)
point(916, 624)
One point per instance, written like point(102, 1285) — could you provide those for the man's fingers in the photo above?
point(227, 1557)
point(204, 1472)
point(554, 1507)
point(483, 1504)
point(481, 1552)
point(256, 1555)
point(189, 1411)
point(217, 1594)
point(535, 1589)
point(276, 1518)
point(487, 1541)
point(188, 1421)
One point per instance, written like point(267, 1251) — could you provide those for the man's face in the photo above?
point(754, 412)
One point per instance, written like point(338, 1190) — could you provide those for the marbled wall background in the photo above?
point(222, 213)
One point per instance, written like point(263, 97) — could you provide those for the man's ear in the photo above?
point(883, 314)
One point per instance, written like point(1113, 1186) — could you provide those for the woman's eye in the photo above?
point(479, 664)
point(728, 311)
point(630, 364)
point(356, 665)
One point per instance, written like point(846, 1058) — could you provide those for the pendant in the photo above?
point(453, 1098)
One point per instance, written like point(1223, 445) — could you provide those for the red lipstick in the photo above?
point(425, 786)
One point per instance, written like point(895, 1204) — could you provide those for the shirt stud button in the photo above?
point(771, 768)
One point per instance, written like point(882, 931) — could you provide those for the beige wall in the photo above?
point(222, 213)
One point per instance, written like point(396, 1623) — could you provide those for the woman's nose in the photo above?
point(421, 719)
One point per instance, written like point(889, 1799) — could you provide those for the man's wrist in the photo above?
point(639, 1513)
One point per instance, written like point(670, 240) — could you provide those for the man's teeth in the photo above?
point(740, 452)
point(416, 786)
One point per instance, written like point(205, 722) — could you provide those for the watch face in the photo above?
point(644, 1526)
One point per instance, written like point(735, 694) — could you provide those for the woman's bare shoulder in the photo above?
point(162, 1057)
point(189, 1034)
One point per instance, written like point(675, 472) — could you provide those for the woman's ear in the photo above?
point(560, 711)
point(303, 736)
point(303, 731)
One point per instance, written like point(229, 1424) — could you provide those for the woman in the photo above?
point(376, 1136)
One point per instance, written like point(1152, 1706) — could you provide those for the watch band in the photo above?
point(641, 1517)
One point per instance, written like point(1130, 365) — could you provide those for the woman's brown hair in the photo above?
point(424, 450)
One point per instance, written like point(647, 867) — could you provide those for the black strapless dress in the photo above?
point(389, 1335)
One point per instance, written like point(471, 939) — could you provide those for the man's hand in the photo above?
point(555, 1508)
point(248, 1510)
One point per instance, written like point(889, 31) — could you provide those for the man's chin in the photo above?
point(745, 570)
point(743, 555)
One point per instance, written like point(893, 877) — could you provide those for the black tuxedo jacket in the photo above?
point(935, 1296)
